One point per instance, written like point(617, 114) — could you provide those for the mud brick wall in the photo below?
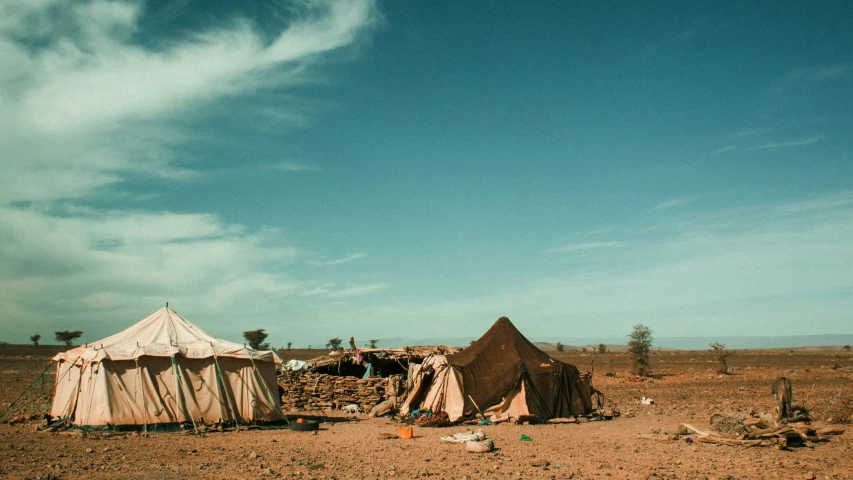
point(318, 391)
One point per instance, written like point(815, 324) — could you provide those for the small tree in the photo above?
point(602, 348)
point(560, 347)
point(722, 356)
point(583, 349)
point(35, 339)
point(639, 347)
point(334, 343)
point(68, 336)
point(289, 345)
point(256, 338)
point(847, 347)
point(373, 342)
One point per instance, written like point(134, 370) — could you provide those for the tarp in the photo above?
point(502, 373)
point(164, 370)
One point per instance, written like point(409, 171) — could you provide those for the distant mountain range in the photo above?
point(680, 343)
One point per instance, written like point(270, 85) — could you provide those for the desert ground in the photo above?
point(686, 388)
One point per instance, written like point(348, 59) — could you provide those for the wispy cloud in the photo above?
point(753, 132)
point(84, 107)
point(294, 166)
point(675, 202)
point(727, 148)
point(792, 143)
point(359, 290)
point(740, 271)
point(337, 261)
point(808, 75)
point(575, 247)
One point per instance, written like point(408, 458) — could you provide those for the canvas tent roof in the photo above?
point(504, 375)
point(162, 334)
point(161, 373)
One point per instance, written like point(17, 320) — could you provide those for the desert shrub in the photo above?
point(722, 356)
point(373, 342)
point(639, 348)
point(839, 410)
point(602, 348)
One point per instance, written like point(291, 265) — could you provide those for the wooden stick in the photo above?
point(701, 433)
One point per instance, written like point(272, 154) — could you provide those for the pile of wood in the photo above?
point(760, 434)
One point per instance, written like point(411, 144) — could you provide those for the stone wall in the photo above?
point(306, 391)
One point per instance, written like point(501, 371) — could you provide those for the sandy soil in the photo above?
point(687, 390)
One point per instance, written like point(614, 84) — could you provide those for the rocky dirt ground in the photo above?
point(686, 389)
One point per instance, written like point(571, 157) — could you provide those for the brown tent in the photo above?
point(506, 375)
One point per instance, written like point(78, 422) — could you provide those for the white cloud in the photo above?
point(675, 202)
point(808, 75)
point(792, 143)
point(83, 108)
point(774, 269)
point(358, 290)
point(575, 247)
point(88, 106)
point(724, 149)
point(753, 132)
point(294, 166)
point(338, 261)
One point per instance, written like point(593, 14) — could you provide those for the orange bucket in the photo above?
point(407, 432)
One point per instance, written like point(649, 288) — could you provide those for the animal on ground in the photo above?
point(351, 409)
point(783, 393)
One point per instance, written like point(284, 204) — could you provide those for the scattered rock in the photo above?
point(253, 455)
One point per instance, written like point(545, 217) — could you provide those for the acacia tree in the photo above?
point(256, 338)
point(35, 339)
point(68, 336)
point(289, 345)
point(334, 343)
point(373, 342)
point(722, 356)
point(602, 348)
point(560, 347)
point(639, 347)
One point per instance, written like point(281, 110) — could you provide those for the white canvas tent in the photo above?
point(165, 370)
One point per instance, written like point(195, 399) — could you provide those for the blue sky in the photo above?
point(418, 169)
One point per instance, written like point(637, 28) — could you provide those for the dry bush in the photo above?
point(839, 410)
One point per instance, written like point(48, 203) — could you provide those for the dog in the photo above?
point(784, 395)
point(351, 409)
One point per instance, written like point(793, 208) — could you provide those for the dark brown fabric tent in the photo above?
point(507, 376)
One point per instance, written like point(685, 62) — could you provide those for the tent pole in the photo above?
point(231, 406)
point(92, 391)
point(181, 397)
point(141, 391)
